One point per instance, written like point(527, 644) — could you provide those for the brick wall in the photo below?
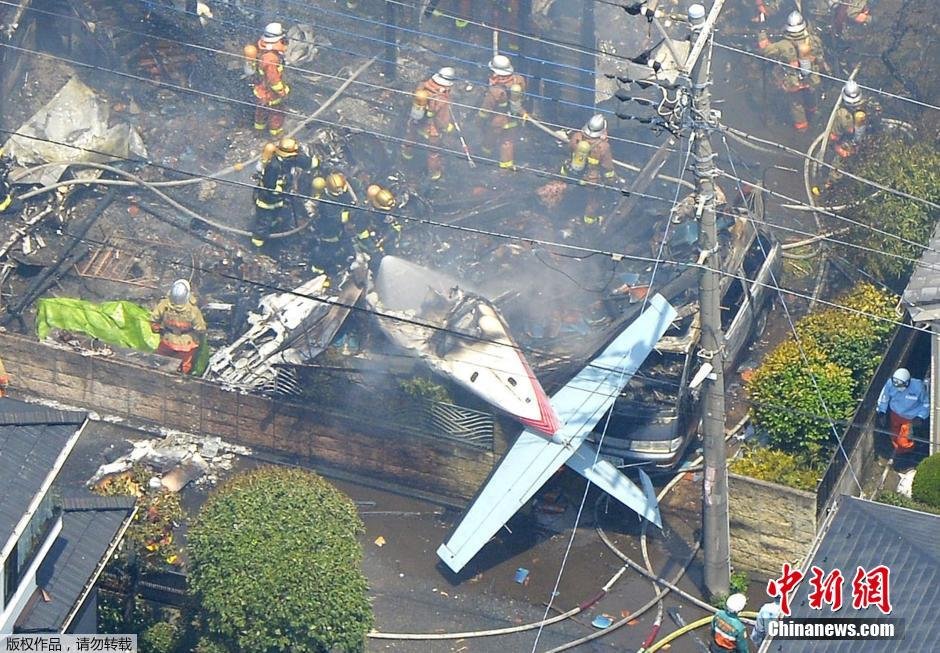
point(117, 387)
point(770, 524)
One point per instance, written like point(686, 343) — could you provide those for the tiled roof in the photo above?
point(89, 526)
point(866, 534)
point(31, 439)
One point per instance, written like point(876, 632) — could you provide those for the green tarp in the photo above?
point(120, 323)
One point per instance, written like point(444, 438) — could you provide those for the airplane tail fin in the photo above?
point(610, 479)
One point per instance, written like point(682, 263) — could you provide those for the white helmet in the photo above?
point(735, 603)
point(273, 32)
point(795, 24)
point(851, 94)
point(180, 292)
point(901, 377)
point(595, 126)
point(501, 65)
point(445, 76)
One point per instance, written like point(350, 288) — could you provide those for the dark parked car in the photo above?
point(657, 415)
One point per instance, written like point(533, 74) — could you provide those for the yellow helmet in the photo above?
point(383, 200)
point(319, 183)
point(250, 52)
point(287, 146)
point(335, 183)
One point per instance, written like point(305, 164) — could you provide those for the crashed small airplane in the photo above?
point(289, 328)
point(460, 335)
point(534, 458)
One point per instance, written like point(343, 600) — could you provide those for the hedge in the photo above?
point(926, 488)
point(776, 466)
point(275, 564)
point(788, 396)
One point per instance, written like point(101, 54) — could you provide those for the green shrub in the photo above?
point(788, 406)
point(776, 466)
point(161, 637)
point(738, 582)
point(911, 168)
point(208, 645)
point(422, 388)
point(852, 340)
point(902, 501)
point(926, 488)
point(873, 301)
point(275, 564)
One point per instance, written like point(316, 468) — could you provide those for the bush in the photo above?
point(854, 341)
point(161, 637)
point(778, 467)
point(911, 168)
point(208, 645)
point(926, 488)
point(898, 499)
point(275, 564)
point(786, 401)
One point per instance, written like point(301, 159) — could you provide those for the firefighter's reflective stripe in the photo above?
point(724, 634)
point(344, 216)
point(6, 202)
point(266, 205)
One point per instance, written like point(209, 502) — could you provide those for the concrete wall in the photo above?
point(116, 387)
point(770, 524)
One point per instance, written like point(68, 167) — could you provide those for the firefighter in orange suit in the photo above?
point(265, 62)
point(503, 110)
point(180, 324)
point(430, 119)
point(799, 80)
point(593, 163)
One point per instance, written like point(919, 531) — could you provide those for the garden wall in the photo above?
point(770, 524)
point(421, 466)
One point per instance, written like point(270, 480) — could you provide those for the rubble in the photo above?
point(177, 459)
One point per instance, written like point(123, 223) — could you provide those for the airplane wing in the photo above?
point(534, 458)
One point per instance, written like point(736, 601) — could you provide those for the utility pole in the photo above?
point(715, 531)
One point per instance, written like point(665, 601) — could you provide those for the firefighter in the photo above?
point(8, 202)
point(502, 110)
point(852, 123)
point(803, 54)
point(373, 233)
point(280, 165)
point(592, 162)
point(266, 63)
point(180, 324)
point(904, 405)
point(848, 16)
point(334, 226)
point(727, 630)
point(430, 119)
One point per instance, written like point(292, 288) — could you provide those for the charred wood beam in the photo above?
point(72, 253)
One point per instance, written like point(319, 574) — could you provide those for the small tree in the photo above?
point(911, 168)
point(788, 405)
point(275, 564)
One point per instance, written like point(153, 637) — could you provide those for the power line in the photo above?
point(427, 146)
point(799, 344)
point(879, 91)
point(585, 251)
point(304, 80)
